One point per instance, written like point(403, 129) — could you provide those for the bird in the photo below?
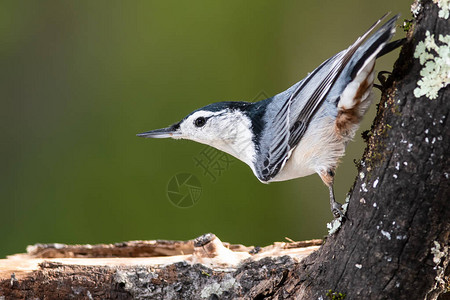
point(303, 130)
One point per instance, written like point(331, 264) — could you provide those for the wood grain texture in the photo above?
point(193, 269)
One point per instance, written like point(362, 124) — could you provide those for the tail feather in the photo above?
point(391, 47)
point(357, 95)
point(373, 46)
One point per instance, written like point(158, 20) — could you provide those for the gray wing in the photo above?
point(288, 119)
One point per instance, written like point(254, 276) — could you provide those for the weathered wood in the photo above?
point(191, 270)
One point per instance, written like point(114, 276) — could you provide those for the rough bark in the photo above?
point(393, 245)
point(399, 206)
point(204, 268)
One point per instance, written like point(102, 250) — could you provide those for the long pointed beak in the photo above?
point(168, 132)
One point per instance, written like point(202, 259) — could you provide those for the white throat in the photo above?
point(237, 137)
point(232, 134)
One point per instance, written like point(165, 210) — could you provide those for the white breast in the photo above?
point(319, 148)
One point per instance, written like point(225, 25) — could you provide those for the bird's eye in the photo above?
point(200, 121)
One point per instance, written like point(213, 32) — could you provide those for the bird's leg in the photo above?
point(328, 178)
point(336, 207)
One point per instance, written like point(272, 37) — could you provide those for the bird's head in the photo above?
point(226, 126)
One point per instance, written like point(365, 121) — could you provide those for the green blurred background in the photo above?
point(80, 78)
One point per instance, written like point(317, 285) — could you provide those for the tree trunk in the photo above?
point(393, 245)
point(396, 240)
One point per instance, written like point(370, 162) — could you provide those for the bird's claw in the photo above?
point(336, 209)
point(382, 79)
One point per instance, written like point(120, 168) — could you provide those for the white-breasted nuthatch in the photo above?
point(303, 130)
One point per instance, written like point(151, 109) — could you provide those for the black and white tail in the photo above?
point(357, 95)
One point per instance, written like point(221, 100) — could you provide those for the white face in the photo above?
point(226, 130)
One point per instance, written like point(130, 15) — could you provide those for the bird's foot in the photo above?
point(337, 211)
point(382, 78)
